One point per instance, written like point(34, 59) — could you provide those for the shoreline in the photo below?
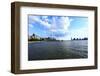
point(54, 41)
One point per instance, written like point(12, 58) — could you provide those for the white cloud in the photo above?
point(57, 24)
point(44, 17)
point(65, 23)
point(78, 33)
point(30, 25)
point(37, 19)
point(60, 25)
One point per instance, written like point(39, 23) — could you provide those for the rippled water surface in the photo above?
point(49, 50)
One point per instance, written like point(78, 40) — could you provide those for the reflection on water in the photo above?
point(46, 50)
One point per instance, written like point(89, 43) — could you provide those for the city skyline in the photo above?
point(58, 27)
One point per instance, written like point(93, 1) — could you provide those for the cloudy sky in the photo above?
point(59, 27)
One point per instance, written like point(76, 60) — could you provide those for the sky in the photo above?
point(58, 27)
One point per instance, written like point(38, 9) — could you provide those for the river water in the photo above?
point(51, 50)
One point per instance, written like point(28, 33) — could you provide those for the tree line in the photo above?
point(85, 38)
point(37, 38)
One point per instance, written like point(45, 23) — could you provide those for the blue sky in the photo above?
point(59, 27)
